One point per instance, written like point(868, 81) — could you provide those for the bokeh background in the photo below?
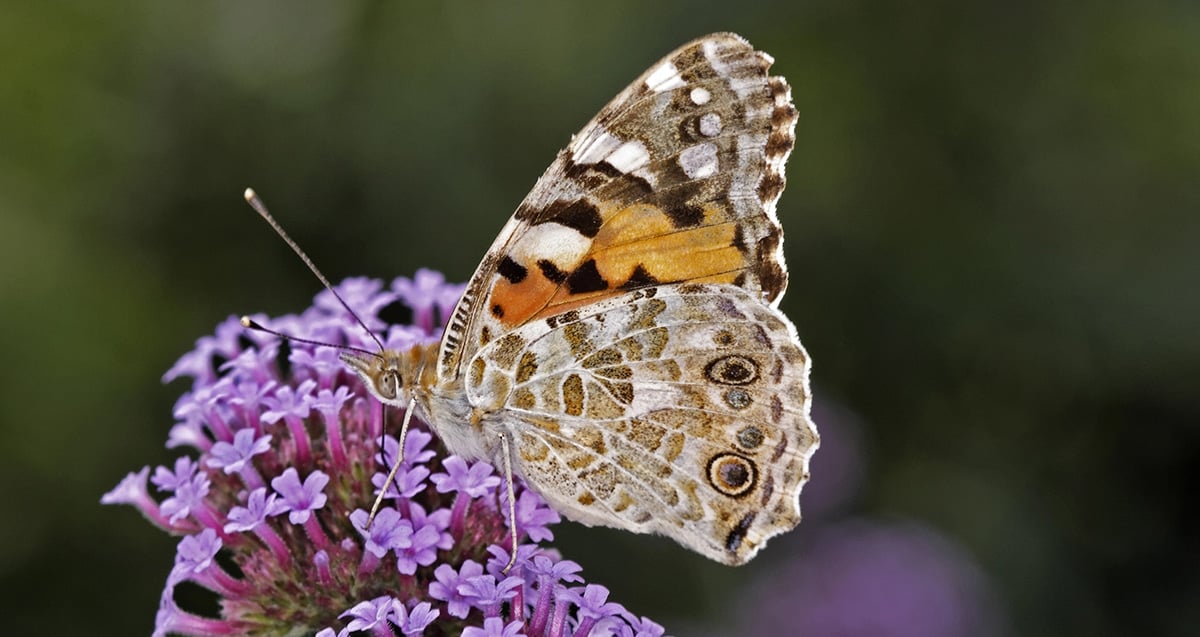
point(992, 224)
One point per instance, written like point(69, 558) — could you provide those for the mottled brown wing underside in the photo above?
point(674, 181)
point(680, 410)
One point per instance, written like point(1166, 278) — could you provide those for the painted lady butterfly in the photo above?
point(619, 347)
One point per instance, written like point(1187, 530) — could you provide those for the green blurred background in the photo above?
point(992, 225)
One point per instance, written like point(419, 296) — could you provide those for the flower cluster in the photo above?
point(272, 511)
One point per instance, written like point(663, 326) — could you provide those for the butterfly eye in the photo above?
point(389, 384)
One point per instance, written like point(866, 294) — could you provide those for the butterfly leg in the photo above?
point(512, 502)
point(412, 404)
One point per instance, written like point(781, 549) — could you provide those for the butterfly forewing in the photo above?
point(620, 347)
point(673, 181)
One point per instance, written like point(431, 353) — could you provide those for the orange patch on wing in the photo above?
point(641, 236)
point(520, 302)
point(644, 236)
point(631, 223)
point(683, 255)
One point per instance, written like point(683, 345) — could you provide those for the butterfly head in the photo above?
point(384, 374)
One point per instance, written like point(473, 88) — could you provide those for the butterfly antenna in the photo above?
point(256, 203)
point(252, 324)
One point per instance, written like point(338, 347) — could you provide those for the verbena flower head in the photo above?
point(272, 510)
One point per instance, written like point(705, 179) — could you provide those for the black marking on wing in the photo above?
point(733, 541)
point(639, 278)
point(511, 270)
point(579, 215)
point(551, 271)
point(586, 278)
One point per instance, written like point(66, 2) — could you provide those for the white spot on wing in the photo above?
point(647, 176)
point(629, 157)
point(664, 78)
point(742, 85)
point(699, 161)
point(562, 246)
point(700, 96)
point(594, 148)
point(710, 124)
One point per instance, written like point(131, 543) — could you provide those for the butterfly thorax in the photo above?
point(404, 378)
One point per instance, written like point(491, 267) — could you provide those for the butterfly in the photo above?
point(620, 348)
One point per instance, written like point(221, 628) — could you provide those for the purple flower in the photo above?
point(329, 404)
point(534, 516)
point(247, 399)
point(259, 506)
point(235, 457)
point(288, 401)
point(494, 627)
point(253, 517)
point(195, 560)
point(500, 558)
point(172, 620)
point(421, 550)
point(415, 621)
point(196, 363)
point(643, 627)
point(415, 451)
point(556, 571)
point(403, 337)
point(484, 591)
point(189, 433)
point(387, 532)
point(424, 292)
point(410, 478)
point(203, 404)
point(364, 294)
point(320, 463)
point(302, 499)
point(473, 481)
point(371, 614)
point(468, 483)
point(133, 490)
point(196, 552)
point(408, 482)
point(447, 587)
point(550, 574)
point(292, 406)
point(323, 361)
point(438, 520)
point(324, 572)
point(255, 364)
point(594, 606)
point(171, 479)
point(189, 500)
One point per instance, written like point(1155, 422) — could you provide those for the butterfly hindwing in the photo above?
point(681, 410)
point(673, 181)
